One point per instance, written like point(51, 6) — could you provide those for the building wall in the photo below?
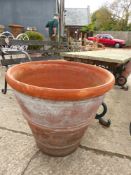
point(27, 13)
point(77, 16)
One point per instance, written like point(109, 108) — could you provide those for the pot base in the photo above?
point(57, 142)
point(57, 152)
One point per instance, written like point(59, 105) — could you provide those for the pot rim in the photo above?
point(60, 94)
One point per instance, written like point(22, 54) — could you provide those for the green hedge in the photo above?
point(33, 35)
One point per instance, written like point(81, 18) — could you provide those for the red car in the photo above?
point(107, 40)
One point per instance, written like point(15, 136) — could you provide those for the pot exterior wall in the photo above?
point(58, 126)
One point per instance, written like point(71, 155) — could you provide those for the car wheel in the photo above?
point(117, 45)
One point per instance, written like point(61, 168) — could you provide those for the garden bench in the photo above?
point(21, 49)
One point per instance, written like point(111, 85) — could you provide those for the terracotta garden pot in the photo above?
point(59, 99)
point(2, 27)
point(16, 29)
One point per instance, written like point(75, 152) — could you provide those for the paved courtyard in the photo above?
point(103, 151)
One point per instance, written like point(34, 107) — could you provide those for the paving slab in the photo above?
point(81, 162)
point(16, 151)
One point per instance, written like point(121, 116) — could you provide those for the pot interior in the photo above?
point(60, 75)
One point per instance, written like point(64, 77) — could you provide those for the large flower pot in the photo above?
point(59, 99)
point(2, 27)
point(16, 29)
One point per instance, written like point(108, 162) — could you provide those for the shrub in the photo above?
point(33, 35)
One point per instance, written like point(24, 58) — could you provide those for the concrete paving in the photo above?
point(82, 162)
point(16, 150)
point(103, 151)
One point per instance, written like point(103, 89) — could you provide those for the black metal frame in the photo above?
point(99, 117)
point(4, 90)
point(130, 128)
point(120, 79)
